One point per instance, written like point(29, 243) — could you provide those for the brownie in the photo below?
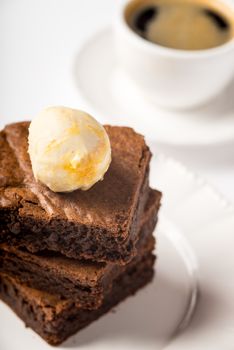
point(84, 281)
point(55, 319)
point(99, 224)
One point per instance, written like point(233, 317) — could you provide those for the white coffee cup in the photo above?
point(169, 77)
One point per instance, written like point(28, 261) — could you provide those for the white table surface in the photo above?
point(39, 40)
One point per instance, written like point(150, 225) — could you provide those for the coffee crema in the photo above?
point(182, 24)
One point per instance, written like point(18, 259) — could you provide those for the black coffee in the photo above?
point(181, 24)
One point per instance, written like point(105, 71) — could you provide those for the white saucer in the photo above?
point(195, 258)
point(116, 100)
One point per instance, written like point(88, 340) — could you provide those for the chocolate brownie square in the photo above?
point(55, 319)
point(98, 224)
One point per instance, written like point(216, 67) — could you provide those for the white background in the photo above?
point(39, 40)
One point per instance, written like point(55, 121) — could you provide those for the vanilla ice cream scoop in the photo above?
point(69, 149)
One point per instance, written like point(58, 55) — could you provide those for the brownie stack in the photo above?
point(66, 259)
